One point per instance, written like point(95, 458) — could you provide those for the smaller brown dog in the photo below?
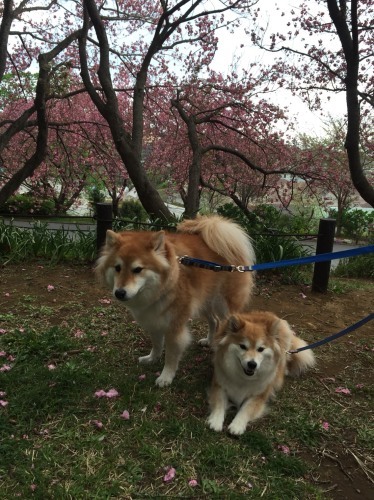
point(250, 361)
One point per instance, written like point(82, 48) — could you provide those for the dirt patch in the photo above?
point(344, 468)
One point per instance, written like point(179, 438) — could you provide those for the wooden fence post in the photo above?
point(104, 219)
point(325, 244)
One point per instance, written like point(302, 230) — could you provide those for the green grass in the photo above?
point(50, 447)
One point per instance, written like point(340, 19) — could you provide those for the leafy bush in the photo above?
point(361, 266)
point(27, 204)
point(132, 209)
point(263, 225)
point(355, 223)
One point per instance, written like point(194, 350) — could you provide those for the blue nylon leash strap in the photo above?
point(335, 335)
point(322, 257)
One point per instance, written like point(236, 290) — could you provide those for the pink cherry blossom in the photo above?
point(125, 415)
point(192, 483)
point(97, 424)
point(170, 475)
point(325, 426)
point(343, 390)
point(50, 288)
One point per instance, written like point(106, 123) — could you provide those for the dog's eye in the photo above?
point(117, 268)
point(260, 349)
point(243, 346)
point(137, 270)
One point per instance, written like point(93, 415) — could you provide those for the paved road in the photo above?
point(338, 247)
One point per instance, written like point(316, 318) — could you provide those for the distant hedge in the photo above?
point(27, 204)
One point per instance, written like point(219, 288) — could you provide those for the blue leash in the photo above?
point(335, 335)
point(322, 257)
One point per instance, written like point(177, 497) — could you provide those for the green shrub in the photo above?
point(361, 266)
point(132, 209)
point(263, 225)
point(355, 223)
point(27, 204)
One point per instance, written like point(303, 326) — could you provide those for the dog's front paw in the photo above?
point(146, 360)
point(204, 342)
point(237, 428)
point(215, 422)
point(164, 379)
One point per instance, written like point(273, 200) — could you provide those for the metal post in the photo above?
point(104, 219)
point(325, 244)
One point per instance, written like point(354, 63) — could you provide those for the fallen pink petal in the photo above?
point(50, 288)
point(112, 393)
point(284, 449)
point(78, 334)
point(170, 475)
point(105, 301)
point(2, 394)
point(192, 483)
point(5, 368)
point(52, 366)
point(100, 394)
point(325, 425)
point(3, 403)
point(142, 377)
point(125, 415)
point(302, 295)
point(359, 386)
point(342, 390)
point(2, 331)
point(97, 424)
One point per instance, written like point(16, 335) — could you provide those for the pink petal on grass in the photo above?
point(192, 483)
point(284, 449)
point(342, 390)
point(97, 424)
point(170, 475)
point(50, 288)
point(112, 393)
point(3, 403)
point(2, 331)
point(5, 368)
point(142, 377)
point(125, 415)
point(325, 425)
point(100, 394)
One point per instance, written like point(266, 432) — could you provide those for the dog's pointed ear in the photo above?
point(235, 323)
point(158, 241)
point(111, 238)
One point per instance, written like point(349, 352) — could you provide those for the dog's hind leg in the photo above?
point(213, 323)
point(175, 345)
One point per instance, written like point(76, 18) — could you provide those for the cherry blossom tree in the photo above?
point(329, 49)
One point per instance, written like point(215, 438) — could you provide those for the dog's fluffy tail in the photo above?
point(301, 361)
point(224, 237)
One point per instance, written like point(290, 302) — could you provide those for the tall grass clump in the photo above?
point(19, 244)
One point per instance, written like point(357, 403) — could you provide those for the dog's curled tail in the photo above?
point(299, 362)
point(224, 237)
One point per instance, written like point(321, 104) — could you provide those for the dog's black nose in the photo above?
point(120, 294)
point(251, 365)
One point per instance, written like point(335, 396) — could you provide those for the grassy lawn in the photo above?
point(58, 439)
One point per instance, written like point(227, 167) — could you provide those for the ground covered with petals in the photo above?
point(79, 418)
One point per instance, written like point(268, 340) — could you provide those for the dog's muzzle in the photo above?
point(120, 294)
point(250, 368)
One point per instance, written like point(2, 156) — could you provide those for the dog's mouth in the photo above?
point(249, 371)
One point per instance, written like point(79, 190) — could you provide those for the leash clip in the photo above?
point(240, 269)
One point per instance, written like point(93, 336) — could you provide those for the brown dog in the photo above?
point(143, 271)
point(250, 362)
